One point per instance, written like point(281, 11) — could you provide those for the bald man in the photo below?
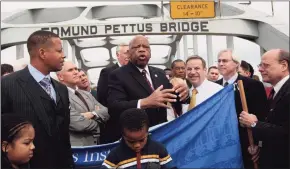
point(138, 85)
point(274, 131)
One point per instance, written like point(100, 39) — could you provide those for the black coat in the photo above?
point(22, 94)
point(126, 87)
point(274, 131)
point(257, 104)
point(102, 88)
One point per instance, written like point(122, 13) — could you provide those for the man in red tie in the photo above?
point(138, 85)
point(274, 131)
point(136, 149)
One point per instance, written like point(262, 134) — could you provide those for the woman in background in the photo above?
point(17, 146)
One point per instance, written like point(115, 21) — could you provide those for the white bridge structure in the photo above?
point(103, 27)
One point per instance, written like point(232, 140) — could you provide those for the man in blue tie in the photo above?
point(44, 101)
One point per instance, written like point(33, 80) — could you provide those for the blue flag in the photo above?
point(205, 137)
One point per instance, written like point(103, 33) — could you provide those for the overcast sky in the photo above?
point(247, 50)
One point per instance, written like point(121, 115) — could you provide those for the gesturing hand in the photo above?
point(159, 98)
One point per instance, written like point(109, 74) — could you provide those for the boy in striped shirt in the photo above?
point(136, 149)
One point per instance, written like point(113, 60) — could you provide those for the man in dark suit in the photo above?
point(84, 83)
point(274, 131)
point(137, 85)
point(44, 101)
point(228, 64)
point(102, 87)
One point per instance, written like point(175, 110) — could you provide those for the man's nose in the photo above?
point(137, 145)
point(32, 147)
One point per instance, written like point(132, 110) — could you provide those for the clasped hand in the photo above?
point(160, 96)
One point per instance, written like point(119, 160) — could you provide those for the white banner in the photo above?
point(133, 28)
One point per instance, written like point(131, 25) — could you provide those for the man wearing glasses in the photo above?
point(228, 64)
point(274, 131)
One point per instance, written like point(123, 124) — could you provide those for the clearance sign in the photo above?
point(192, 9)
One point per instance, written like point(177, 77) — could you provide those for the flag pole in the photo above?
point(272, 5)
point(245, 108)
point(220, 8)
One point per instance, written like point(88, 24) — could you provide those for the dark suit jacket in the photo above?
point(94, 93)
point(257, 104)
point(274, 131)
point(22, 94)
point(102, 88)
point(126, 87)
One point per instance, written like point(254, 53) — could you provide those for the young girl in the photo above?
point(17, 147)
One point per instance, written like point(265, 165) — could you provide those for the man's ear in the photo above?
point(59, 76)
point(41, 53)
point(284, 66)
point(4, 146)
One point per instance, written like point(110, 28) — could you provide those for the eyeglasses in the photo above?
point(263, 65)
point(224, 60)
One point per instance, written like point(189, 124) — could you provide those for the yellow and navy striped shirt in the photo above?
point(153, 155)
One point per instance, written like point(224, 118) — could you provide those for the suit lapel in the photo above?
point(77, 100)
point(138, 77)
point(56, 89)
point(281, 92)
point(33, 92)
point(154, 77)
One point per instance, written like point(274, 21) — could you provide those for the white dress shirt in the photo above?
point(278, 86)
point(231, 80)
point(205, 91)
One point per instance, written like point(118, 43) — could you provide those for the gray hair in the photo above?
point(284, 55)
point(119, 47)
point(233, 54)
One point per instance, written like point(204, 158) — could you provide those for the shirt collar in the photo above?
point(119, 64)
point(232, 79)
point(72, 90)
point(36, 74)
point(146, 68)
point(279, 85)
point(199, 88)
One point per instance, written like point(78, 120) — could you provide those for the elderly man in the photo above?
point(102, 87)
point(228, 64)
point(274, 131)
point(138, 85)
point(86, 114)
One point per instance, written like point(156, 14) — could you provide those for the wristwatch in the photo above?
point(253, 124)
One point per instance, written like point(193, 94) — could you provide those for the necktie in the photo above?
point(271, 97)
point(226, 84)
point(193, 99)
point(138, 155)
point(46, 85)
point(82, 99)
point(144, 75)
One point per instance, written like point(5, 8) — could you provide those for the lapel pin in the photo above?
point(155, 75)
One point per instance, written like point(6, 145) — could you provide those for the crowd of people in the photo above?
point(43, 117)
